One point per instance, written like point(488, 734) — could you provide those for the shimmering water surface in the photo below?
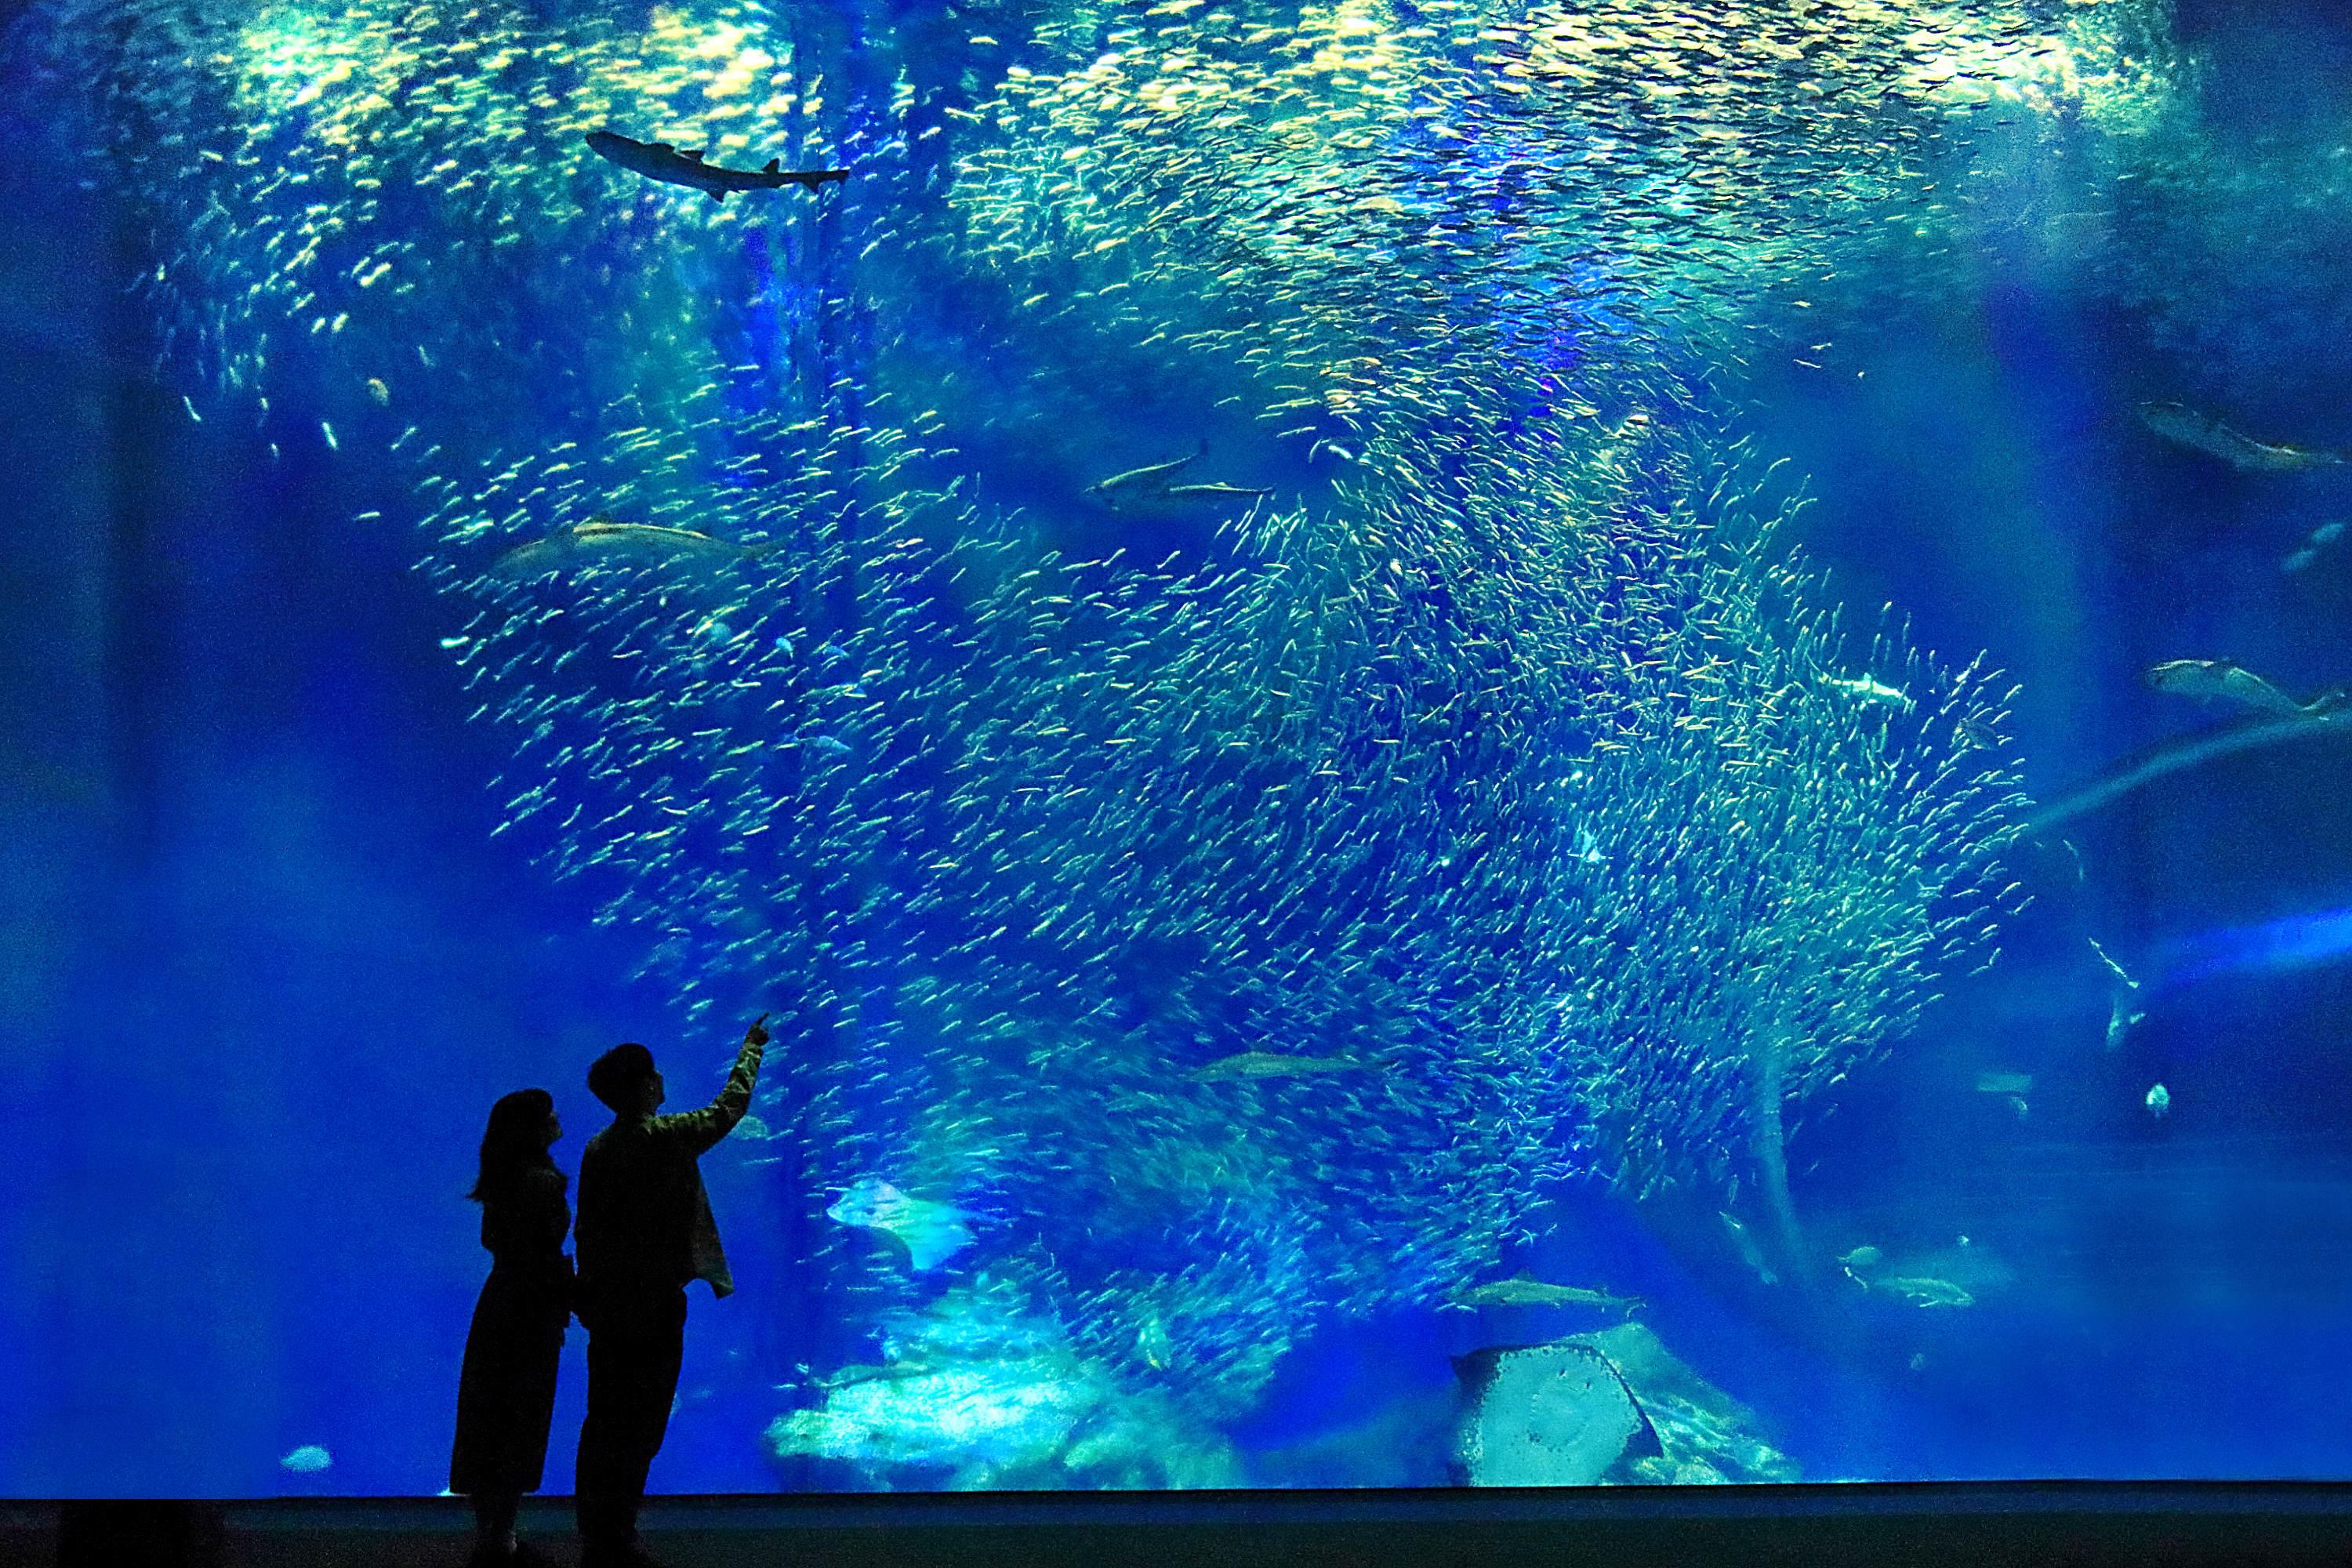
point(1457, 741)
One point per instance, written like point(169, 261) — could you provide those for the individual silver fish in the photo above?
point(2212, 678)
point(2122, 1015)
point(1744, 1242)
point(2184, 426)
point(660, 161)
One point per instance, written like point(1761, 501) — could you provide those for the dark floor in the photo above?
point(1803, 1527)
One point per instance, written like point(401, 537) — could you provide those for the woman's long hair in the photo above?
point(515, 1142)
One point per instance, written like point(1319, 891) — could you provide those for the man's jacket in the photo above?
point(645, 1225)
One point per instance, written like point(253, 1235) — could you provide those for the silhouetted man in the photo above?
point(644, 1230)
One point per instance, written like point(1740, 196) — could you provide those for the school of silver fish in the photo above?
point(1248, 917)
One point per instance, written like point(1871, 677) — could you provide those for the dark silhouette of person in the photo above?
point(506, 1392)
point(645, 1233)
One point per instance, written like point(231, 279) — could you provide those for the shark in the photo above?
point(603, 537)
point(2210, 677)
point(2184, 426)
point(660, 161)
point(1923, 1291)
point(931, 1232)
point(1138, 488)
point(1271, 1064)
point(1524, 1289)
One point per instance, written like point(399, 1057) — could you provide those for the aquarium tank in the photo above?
point(1457, 743)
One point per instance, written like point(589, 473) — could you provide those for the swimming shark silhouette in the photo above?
point(2211, 678)
point(2184, 426)
point(660, 161)
point(604, 537)
point(1524, 1289)
point(1156, 482)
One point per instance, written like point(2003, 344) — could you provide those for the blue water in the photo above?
point(274, 943)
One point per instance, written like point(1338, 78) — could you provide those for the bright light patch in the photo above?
point(2297, 942)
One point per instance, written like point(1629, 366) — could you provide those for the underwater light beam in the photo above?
point(2171, 757)
point(2296, 941)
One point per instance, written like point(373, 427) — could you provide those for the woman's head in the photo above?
point(522, 1126)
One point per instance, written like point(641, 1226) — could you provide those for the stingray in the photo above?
point(931, 1232)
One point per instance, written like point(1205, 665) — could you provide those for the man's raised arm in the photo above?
point(698, 1130)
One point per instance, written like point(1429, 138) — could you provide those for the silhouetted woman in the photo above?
point(506, 1395)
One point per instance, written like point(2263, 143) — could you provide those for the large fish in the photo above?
point(660, 161)
point(1214, 491)
point(2211, 678)
point(2123, 1016)
point(1154, 483)
point(602, 537)
point(1743, 1242)
point(1922, 1290)
point(1153, 479)
point(2184, 426)
point(1272, 1064)
point(1524, 1289)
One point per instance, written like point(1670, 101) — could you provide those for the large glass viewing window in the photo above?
point(1455, 743)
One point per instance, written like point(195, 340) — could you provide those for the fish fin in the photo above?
point(715, 196)
point(935, 1241)
point(695, 153)
point(773, 164)
point(663, 147)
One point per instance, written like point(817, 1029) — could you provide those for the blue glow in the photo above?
point(2295, 941)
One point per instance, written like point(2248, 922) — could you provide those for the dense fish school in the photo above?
point(1502, 763)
